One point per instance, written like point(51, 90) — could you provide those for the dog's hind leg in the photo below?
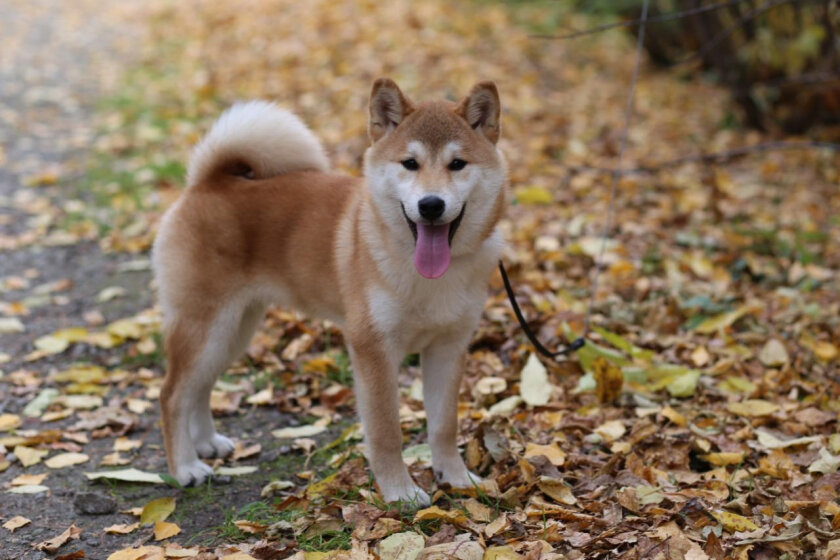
point(198, 351)
point(231, 343)
point(184, 340)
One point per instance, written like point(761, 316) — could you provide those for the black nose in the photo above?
point(431, 207)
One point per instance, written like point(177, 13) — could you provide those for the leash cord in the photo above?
point(578, 343)
point(574, 345)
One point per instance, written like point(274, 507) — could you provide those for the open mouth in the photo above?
point(432, 243)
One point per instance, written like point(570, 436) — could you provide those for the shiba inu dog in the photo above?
point(400, 259)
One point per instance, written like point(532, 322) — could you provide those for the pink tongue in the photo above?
point(431, 253)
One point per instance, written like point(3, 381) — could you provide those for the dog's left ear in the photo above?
point(388, 107)
point(482, 109)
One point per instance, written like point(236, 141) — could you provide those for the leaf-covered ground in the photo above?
point(717, 309)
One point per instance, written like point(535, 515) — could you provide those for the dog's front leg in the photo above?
point(375, 374)
point(441, 362)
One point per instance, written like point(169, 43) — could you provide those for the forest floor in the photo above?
point(699, 421)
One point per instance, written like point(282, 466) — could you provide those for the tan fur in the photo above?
point(330, 246)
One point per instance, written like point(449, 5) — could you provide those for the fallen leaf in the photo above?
point(534, 386)
point(157, 510)
point(827, 463)
point(16, 522)
point(773, 354)
point(401, 546)
point(28, 489)
point(28, 456)
point(769, 441)
point(9, 422)
point(752, 408)
point(435, 513)
point(552, 452)
point(53, 544)
point(24, 479)
point(164, 530)
point(65, 460)
point(723, 459)
point(734, 523)
point(128, 475)
point(298, 432)
point(123, 528)
point(608, 380)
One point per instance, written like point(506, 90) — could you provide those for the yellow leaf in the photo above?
point(123, 528)
point(433, 513)
point(132, 553)
point(674, 416)
point(723, 459)
point(125, 328)
point(752, 408)
point(9, 422)
point(28, 456)
point(157, 510)
point(26, 479)
point(823, 350)
point(684, 385)
point(552, 452)
point(714, 324)
point(608, 380)
point(164, 530)
point(533, 195)
point(734, 523)
point(65, 460)
point(558, 490)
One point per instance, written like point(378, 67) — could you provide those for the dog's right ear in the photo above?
point(388, 107)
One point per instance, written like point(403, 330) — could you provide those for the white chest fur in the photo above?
point(411, 310)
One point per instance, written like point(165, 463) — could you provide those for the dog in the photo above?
point(399, 259)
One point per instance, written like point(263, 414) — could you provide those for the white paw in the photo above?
point(216, 446)
point(460, 478)
point(194, 473)
point(411, 496)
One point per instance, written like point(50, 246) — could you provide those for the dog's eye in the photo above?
point(411, 164)
point(457, 164)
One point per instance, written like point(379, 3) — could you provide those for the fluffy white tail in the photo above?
point(257, 139)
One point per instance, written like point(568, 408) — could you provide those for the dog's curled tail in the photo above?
point(255, 139)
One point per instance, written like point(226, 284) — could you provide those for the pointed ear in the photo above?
point(482, 109)
point(388, 107)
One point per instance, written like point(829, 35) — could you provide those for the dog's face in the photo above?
point(436, 177)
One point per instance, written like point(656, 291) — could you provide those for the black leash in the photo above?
point(579, 342)
point(574, 345)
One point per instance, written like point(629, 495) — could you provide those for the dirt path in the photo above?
point(57, 59)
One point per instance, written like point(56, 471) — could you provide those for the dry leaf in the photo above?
point(53, 544)
point(608, 380)
point(157, 510)
point(16, 522)
point(534, 385)
point(164, 530)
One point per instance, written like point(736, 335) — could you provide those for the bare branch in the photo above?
point(713, 157)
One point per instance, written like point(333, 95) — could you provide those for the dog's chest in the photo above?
point(415, 316)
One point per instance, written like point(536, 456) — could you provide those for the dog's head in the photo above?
point(437, 179)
